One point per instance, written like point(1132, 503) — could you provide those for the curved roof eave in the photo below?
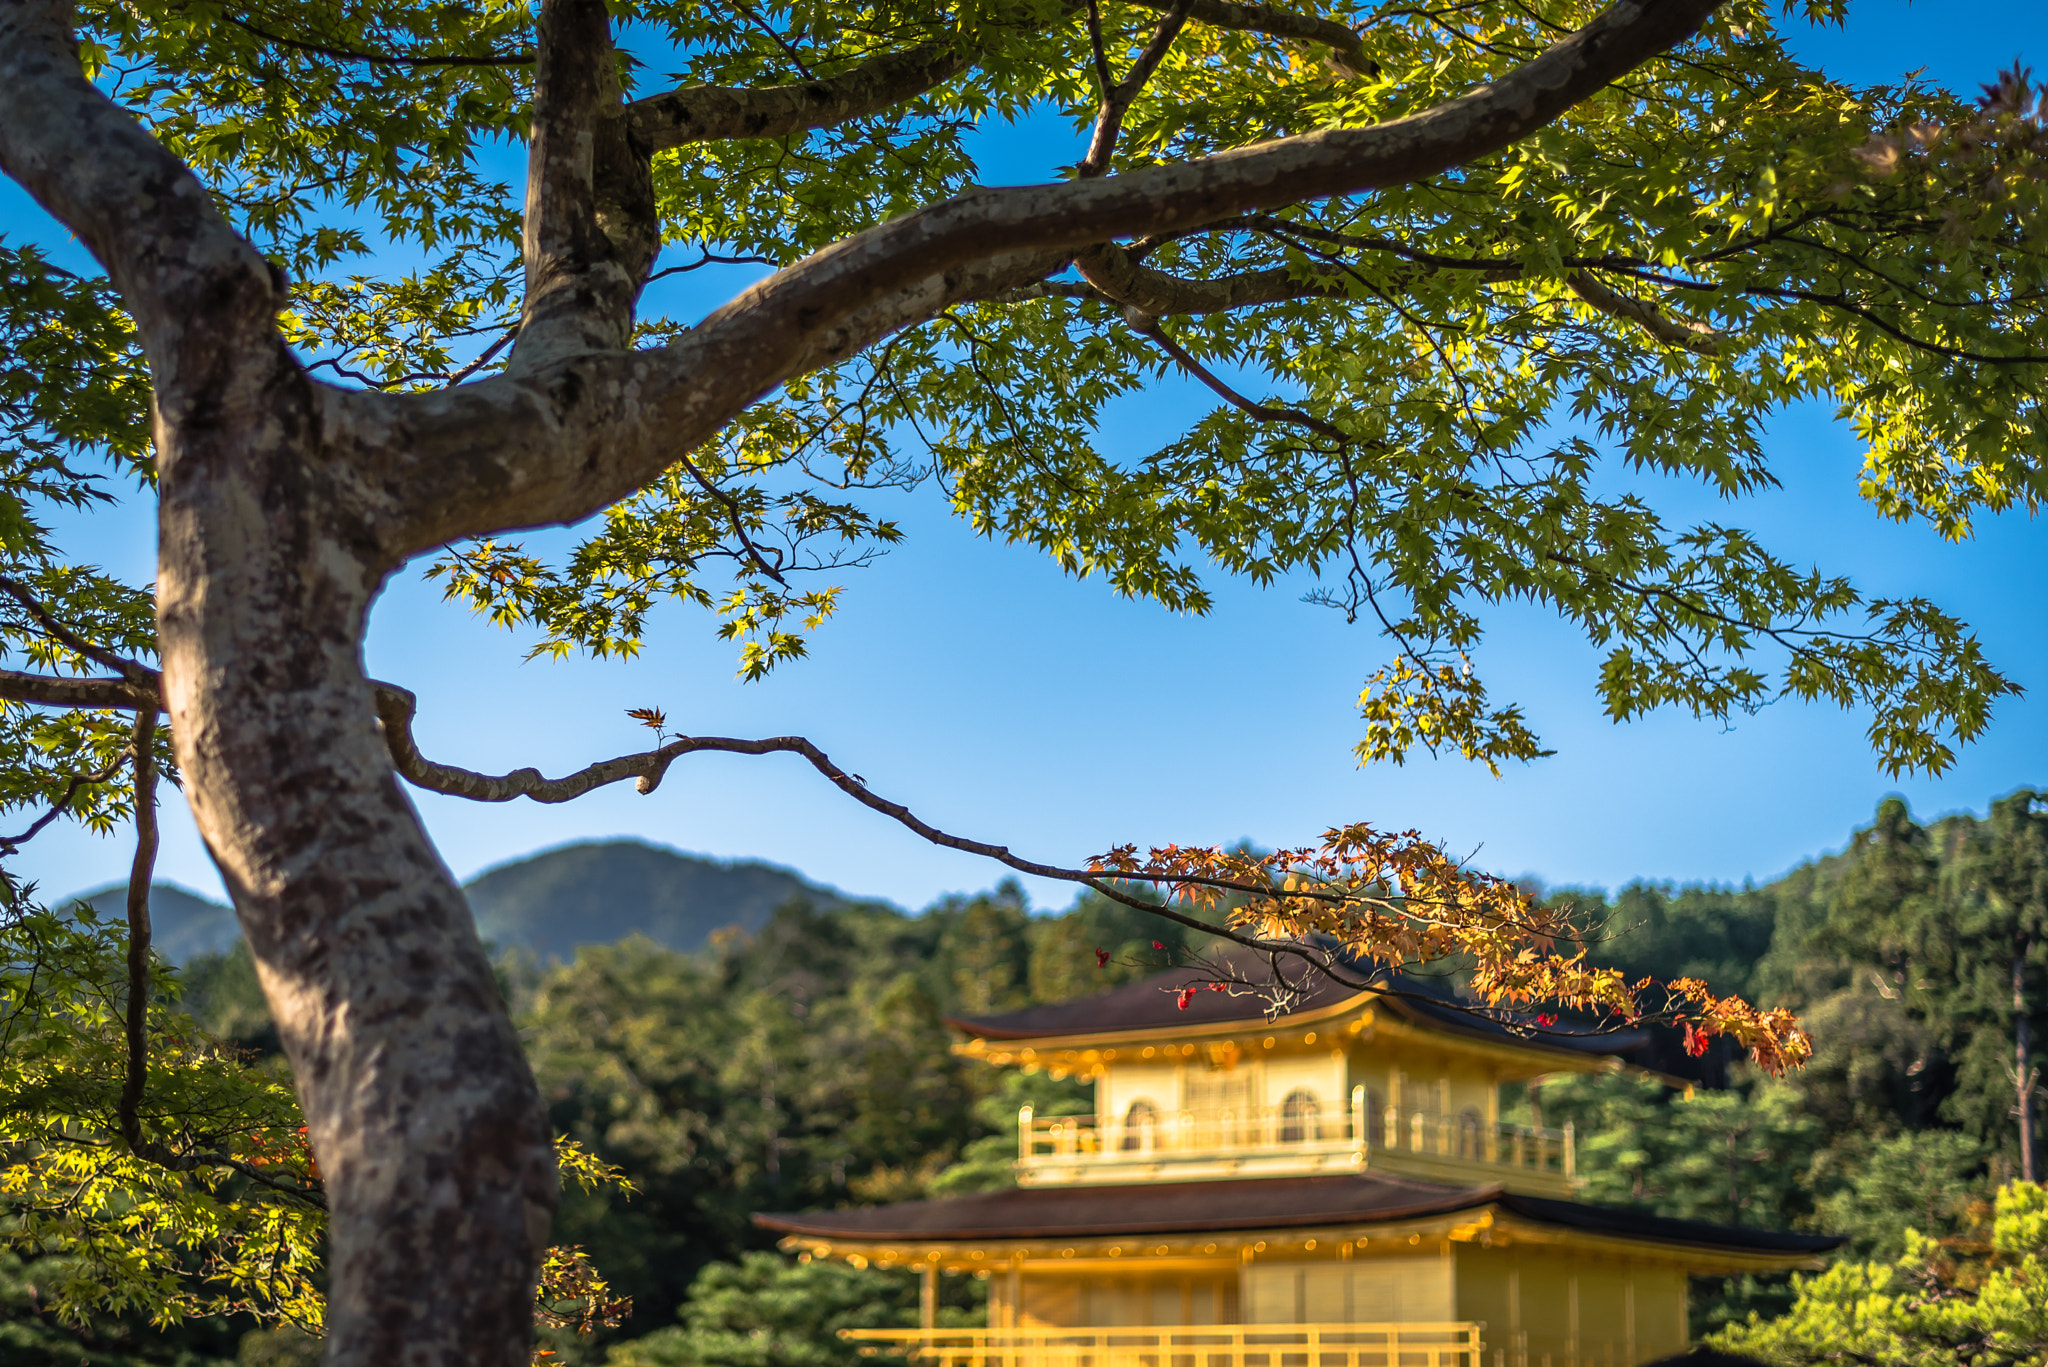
point(1260, 1204)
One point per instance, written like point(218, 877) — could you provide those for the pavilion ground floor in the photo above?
point(1339, 1271)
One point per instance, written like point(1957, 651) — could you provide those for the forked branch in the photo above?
point(1118, 94)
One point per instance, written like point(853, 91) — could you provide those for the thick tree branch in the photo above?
point(1347, 51)
point(523, 451)
point(1694, 337)
point(48, 690)
point(591, 232)
point(709, 113)
point(1048, 289)
point(1116, 275)
point(925, 300)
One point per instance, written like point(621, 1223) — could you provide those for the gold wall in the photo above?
point(1124, 1299)
point(1546, 1307)
point(1542, 1306)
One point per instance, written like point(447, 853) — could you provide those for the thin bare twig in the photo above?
point(135, 1075)
point(131, 670)
point(347, 54)
point(739, 523)
point(142, 751)
point(1147, 326)
point(788, 49)
point(10, 845)
point(505, 339)
point(705, 258)
point(396, 708)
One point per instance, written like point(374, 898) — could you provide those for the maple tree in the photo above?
point(1472, 256)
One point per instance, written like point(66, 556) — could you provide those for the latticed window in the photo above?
point(1470, 1134)
point(1141, 1123)
point(1300, 1117)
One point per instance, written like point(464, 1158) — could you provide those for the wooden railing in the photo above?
point(1204, 1345)
point(1060, 1141)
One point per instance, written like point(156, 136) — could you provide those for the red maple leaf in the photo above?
point(1101, 957)
point(1546, 1020)
point(1187, 994)
point(1157, 945)
point(1696, 1040)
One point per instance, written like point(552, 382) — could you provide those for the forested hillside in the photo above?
point(546, 904)
point(1918, 958)
point(804, 1063)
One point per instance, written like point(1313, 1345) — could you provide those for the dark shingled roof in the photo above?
point(1153, 1004)
point(1086, 1212)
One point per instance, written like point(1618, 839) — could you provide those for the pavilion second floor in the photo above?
point(1296, 1135)
point(1360, 1081)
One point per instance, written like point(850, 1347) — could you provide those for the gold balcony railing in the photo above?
point(1315, 1139)
point(1203, 1345)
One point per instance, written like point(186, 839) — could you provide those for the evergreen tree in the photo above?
point(1998, 884)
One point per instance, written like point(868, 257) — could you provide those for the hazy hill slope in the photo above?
point(599, 893)
point(547, 903)
point(182, 923)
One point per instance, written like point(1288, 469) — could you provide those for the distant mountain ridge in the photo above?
point(600, 892)
point(182, 924)
point(594, 892)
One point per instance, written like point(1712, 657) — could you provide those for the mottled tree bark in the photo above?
point(286, 504)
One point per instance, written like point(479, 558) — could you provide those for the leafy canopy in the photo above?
point(1466, 372)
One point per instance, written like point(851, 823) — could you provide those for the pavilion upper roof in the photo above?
point(1155, 1008)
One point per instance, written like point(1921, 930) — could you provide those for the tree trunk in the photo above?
point(2023, 1069)
point(419, 1102)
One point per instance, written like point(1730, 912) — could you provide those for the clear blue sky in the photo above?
point(1002, 700)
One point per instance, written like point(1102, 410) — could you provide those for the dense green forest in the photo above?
point(805, 1063)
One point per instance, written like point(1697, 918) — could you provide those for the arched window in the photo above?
point(1300, 1117)
point(1470, 1134)
point(1141, 1124)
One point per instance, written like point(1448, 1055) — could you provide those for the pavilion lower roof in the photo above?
point(1280, 1203)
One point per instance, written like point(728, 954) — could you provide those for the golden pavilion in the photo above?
point(1330, 1187)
